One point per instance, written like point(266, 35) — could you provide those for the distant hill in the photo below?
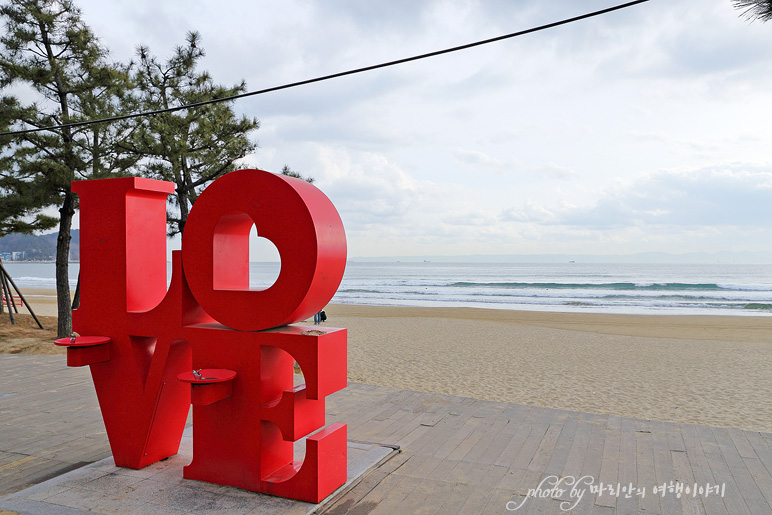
point(37, 247)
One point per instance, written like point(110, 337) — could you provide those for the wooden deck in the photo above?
point(459, 455)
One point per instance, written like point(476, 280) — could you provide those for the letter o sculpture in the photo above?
point(295, 216)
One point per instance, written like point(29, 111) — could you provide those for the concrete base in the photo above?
point(160, 489)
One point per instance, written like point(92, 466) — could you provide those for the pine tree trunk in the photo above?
point(64, 306)
point(182, 199)
point(2, 308)
point(76, 297)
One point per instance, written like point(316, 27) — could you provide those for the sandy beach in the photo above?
point(712, 370)
point(43, 301)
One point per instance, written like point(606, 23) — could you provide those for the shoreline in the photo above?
point(41, 298)
point(704, 369)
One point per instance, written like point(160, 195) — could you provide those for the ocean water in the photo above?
point(576, 287)
point(726, 289)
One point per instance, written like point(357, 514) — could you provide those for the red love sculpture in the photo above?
point(212, 334)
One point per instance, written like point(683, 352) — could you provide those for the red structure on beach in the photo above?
point(209, 338)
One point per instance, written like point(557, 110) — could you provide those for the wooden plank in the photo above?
point(546, 447)
point(702, 469)
point(577, 451)
point(10, 457)
point(462, 417)
point(529, 480)
point(464, 447)
point(453, 441)
point(489, 434)
point(366, 424)
point(627, 475)
point(511, 480)
point(405, 434)
point(761, 476)
point(646, 477)
point(663, 469)
point(466, 472)
point(605, 510)
point(353, 497)
point(411, 462)
point(722, 475)
point(587, 456)
point(581, 504)
point(529, 447)
point(433, 439)
point(477, 500)
point(674, 437)
point(559, 453)
point(762, 449)
point(31, 472)
point(609, 468)
point(423, 499)
point(746, 485)
point(494, 476)
point(594, 455)
point(497, 503)
point(614, 423)
point(741, 443)
point(427, 466)
point(513, 447)
point(395, 403)
point(397, 422)
point(456, 499)
point(539, 506)
point(567, 441)
point(390, 493)
point(412, 434)
point(516, 415)
point(682, 470)
point(497, 446)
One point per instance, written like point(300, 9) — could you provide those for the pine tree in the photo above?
point(48, 49)
point(759, 9)
point(190, 147)
point(289, 172)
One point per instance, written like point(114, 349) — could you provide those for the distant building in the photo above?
point(13, 256)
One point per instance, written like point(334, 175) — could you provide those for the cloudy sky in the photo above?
point(646, 129)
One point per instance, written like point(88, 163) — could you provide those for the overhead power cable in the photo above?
point(334, 75)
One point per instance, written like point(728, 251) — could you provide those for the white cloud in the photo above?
point(367, 188)
point(546, 143)
point(737, 195)
point(478, 160)
point(555, 171)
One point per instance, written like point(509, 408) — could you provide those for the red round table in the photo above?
point(210, 386)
